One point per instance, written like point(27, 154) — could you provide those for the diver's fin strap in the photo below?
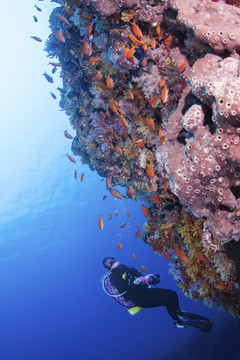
point(134, 310)
point(204, 326)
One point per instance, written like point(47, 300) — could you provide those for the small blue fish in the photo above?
point(38, 8)
point(35, 18)
point(53, 95)
point(54, 70)
point(48, 77)
point(36, 38)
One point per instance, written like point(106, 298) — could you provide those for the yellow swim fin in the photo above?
point(134, 310)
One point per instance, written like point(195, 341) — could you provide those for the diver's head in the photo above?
point(108, 262)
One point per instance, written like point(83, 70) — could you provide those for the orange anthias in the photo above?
point(110, 84)
point(156, 199)
point(150, 170)
point(119, 245)
point(60, 36)
point(100, 222)
point(180, 253)
point(115, 193)
point(67, 135)
point(71, 158)
point(145, 212)
point(136, 30)
point(108, 182)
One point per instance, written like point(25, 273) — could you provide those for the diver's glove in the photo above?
point(153, 279)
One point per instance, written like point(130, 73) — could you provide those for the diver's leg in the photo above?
point(153, 297)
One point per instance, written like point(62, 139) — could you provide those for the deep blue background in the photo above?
point(52, 306)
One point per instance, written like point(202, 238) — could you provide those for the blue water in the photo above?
point(52, 306)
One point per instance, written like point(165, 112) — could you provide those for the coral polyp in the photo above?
point(152, 91)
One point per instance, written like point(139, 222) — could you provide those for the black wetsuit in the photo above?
point(122, 278)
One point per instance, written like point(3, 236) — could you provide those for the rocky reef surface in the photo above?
point(152, 89)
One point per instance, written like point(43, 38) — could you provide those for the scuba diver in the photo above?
point(131, 289)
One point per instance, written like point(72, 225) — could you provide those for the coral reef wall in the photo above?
point(152, 91)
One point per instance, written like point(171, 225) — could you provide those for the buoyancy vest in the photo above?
point(112, 291)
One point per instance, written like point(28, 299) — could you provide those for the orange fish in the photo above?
point(75, 175)
point(87, 48)
point(121, 111)
point(118, 149)
point(145, 212)
point(63, 19)
point(182, 67)
point(94, 60)
point(125, 170)
point(167, 196)
point(123, 225)
point(116, 213)
point(153, 101)
point(89, 29)
point(119, 245)
point(138, 234)
point(108, 182)
point(140, 144)
point(167, 256)
point(150, 123)
point(138, 226)
point(71, 158)
point(168, 40)
point(161, 136)
point(136, 30)
point(134, 256)
point(82, 177)
point(165, 94)
point(150, 170)
point(115, 193)
point(60, 36)
point(153, 44)
point(105, 196)
point(158, 30)
point(180, 253)
point(202, 257)
point(135, 40)
point(156, 199)
point(131, 192)
point(110, 84)
point(99, 75)
point(130, 94)
point(67, 135)
point(160, 35)
point(144, 62)
point(162, 82)
point(144, 269)
point(68, 10)
point(124, 122)
point(113, 106)
point(83, 139)
point(100, 222)
point(144, 46)
point(221, 286)
point(128, 213)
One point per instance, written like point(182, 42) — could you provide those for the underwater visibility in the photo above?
point(152, 93)
point(131, 239)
